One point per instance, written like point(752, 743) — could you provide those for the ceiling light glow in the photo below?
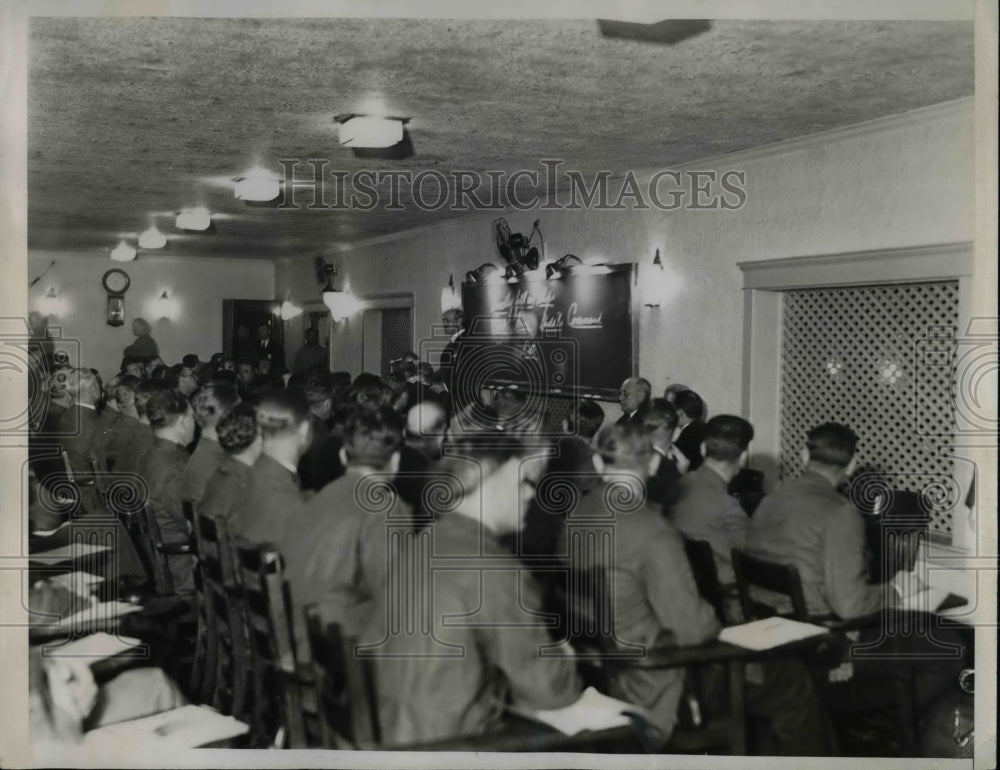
point(123, 253)
point(197, 219)
point(370, 131)
point(257, 185)
point(152, 239)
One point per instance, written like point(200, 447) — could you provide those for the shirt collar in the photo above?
point(91, 407)
point(287, 466)
point(457, 334)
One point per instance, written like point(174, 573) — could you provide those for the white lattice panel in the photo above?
point(850, 355)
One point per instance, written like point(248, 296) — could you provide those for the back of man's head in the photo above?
point(281, 412)
point(589, 418)
point(84, 386)
point(661, 415)
point(625, 446)
point(831, 444)
point(145, 390)
point(727, 437)
point(237, 429)
point(372, 437)
point(125, 389)
point(210, 402)
point(165, 407)
point(690, 403)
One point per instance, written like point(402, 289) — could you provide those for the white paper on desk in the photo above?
point(75, 579)
point(769, 633)
point(592, 711)
point(926, 601)
point(67, 553)
point(99, 611)
point(94, 647)
point(186, 727)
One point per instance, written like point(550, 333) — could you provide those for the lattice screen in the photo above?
point(397, 335)
point(849, 355)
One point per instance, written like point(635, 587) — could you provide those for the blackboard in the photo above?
point(571, 335)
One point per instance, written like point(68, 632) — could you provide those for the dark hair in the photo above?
point(366, 379)
point(125, 388)
point(690, 403)
point(210, 402)
point(370, 395)
point(589, 418)
point(371, 436)
point(225, 375)
point(237, 428)
point(627, 444)
point(190, 360)
point(316, 386)
point(480, 433)
point(832, 444)
point(727, 437)
point(661, 413)
point(281, 411)
point(145, 390)
point(165, 407)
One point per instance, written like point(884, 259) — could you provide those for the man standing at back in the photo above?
point(705, 510)
point(273, 497)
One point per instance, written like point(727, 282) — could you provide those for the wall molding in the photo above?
point(906, 264)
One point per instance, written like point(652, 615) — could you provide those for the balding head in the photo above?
point(634, 394)
point(426, 426)
point(84, 386)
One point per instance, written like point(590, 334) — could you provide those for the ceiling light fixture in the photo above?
point(152, 239)
point(197, 219)
point(258, 185)
point(123, 253)
point(370, 131)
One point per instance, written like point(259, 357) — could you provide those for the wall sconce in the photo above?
point(152, 239)
point(483, 273)
point(449, 297)
point(561, 266)
point(166, 306)
point(123, 253)
point(257, 185)
point(654, 285)
point(289, 309)
point(341, 303)
point(50, 304)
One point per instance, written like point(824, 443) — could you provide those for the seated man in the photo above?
point(335, 546)
point(586, 421)
point(807, 523)
point(704, 509)
point(655, 600)
point(634, 398)
point(318, 391)
point(210, 404)
point(162, 467)
point(273, 497)
point(478, 638)
point(116, 436)
point(426, 426)
point(690, 428)
point(663, 486)
point(239, 437)
point(138, 436)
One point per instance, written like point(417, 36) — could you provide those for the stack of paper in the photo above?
point(99, 612)
point(769, 633)
point(186, 727)
point(67, 553)
point(592, 711)
point(94, 647)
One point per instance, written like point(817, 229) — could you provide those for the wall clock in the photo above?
point(116, 283)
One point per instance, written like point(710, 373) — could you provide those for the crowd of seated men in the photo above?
point(316, 463)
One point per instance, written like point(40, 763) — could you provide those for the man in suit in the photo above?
point(690, 431)
point(311, 355)
point(654, 600)
point(705, 510)
point(663, 487)
point(162, 467)
point(313, 473)
point(210, 403)
point(335, 547)
point(426, 426)
point(423, 692)
point(634, 398)
point(273, 497)
point(452, 320)
point(270, 349)
point(808, 523)
point(138, 435)
point(239, 437)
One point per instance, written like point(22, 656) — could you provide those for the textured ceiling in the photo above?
point(133, 116)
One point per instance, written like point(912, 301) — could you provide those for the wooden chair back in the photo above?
point(752, 571)
point(344, 685)
point(277, 711)
point(706, 574)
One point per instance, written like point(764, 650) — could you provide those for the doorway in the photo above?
point(388, 334)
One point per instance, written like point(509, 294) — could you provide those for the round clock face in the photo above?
point(116, 281)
